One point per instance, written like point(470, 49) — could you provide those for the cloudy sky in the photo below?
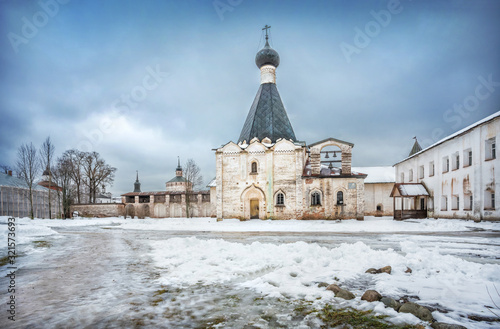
point(142, 82)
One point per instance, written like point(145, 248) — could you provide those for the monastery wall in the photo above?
point(378, 194)
point(99, 209)
point(173, 205)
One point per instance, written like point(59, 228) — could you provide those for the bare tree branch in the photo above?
point(28, 168)
point(96, 172)
point(46, 157)
point(5, 168)
point(192, 173)
point(63, 176)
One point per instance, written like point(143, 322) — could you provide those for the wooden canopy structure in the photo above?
point(418, 196)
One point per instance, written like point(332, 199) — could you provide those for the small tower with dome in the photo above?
point(178, 183)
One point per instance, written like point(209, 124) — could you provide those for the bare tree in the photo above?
point(5, 168)
point(192, 173)
point(96, 172)
point(75, 160)
point(63, 178)
point(46, 157)
point(28, 168)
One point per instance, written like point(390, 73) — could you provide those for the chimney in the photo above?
point(9, 172)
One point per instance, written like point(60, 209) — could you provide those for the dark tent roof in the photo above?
point(267, 117)
point(415, 149)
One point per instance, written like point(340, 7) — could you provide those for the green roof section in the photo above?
point(177, 179)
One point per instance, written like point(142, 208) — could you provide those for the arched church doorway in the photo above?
point(253, 202)
point(254, 208)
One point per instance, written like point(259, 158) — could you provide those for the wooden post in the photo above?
point(394, 206)
point(402, 206)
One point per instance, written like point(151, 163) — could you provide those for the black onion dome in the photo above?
point(267, 55)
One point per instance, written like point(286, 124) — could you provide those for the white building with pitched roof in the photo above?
point(460, 174)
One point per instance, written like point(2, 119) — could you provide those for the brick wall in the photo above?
point(99, 209)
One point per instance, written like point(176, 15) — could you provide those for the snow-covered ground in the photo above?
point(454, 262)
point(370, 224)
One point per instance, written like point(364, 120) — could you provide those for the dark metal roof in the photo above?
point(137, 184)
point(415, 149)
point(267, 117)
point(177, 179)
point(267, 55)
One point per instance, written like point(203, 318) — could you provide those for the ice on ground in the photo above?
point(370, 224)
point(294, 270)
point(25, 231)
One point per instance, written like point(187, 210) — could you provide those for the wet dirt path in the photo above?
point(85, 279)
point(94, 277)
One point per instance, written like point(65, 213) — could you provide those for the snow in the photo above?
point(293, 271)
point(452, 270)
point(412, 190)
point(213, 183)
point(384, 174)
point(370, 224)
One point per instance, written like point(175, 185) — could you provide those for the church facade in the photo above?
point(269, 174)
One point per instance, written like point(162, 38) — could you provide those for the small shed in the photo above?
point(414, 197)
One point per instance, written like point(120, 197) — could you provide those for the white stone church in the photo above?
point(269, 173)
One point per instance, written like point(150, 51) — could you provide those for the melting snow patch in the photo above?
point(294, 271)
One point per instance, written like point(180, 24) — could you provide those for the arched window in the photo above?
point(315, 199)
point(340, 197)
point(254, 167)
point(280, 199)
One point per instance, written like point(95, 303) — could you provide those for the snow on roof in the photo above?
point(213, 183)
point(384, 174)
point(410, 189)
point(460, 132)
point(8, 180)
point(413, 190)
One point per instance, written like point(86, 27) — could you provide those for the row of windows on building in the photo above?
point(468, 201)
point(490, 154)
point(315, 198)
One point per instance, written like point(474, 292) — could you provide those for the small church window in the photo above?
point(254, 167)
point(340, 197)
point(316, 199)
point(280, 199)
